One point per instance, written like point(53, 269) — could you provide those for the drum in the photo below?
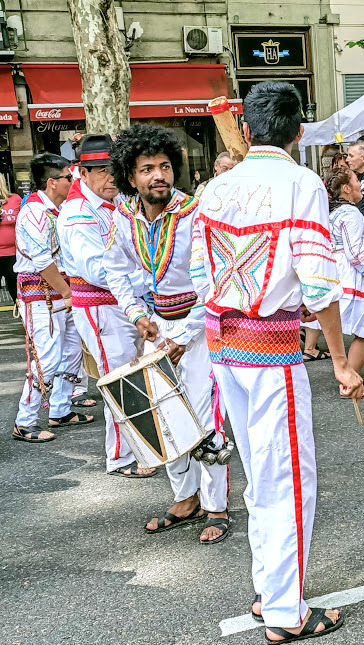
point(148, 401)
point(89, 363)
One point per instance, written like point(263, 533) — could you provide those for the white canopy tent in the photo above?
point(342, 126)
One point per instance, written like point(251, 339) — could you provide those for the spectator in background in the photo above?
point(223, 162)
point(9, 209)
point(356, 163)
point(339, 160)
point(347, 234)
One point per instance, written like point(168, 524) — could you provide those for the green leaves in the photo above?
point(353, 43)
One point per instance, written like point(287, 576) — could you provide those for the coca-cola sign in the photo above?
point(54, 113)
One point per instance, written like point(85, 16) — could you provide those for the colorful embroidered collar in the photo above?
point(268, 152)
point(154, 244)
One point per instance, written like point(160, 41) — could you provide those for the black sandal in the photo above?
point(66, 421)
point(317, 616)
point(175, 521)
point(133, 472)
point(258, 617)
point(222, 523)
point(321, 356)
point(80, 401)
point(19, 434)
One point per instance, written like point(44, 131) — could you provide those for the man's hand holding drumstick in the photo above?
point(148, 330)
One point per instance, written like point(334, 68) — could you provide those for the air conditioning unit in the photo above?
point(202, 40)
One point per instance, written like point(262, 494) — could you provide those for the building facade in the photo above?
point(186, 54)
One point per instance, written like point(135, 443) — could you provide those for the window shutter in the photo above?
point(353, 87)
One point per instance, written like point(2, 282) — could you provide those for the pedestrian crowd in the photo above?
point(113, 260)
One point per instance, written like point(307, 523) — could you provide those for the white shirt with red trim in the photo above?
point(36, 235)
point(162, 250)
point(261, 239)
point(347, 232)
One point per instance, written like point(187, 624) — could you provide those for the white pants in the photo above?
point(270, 413)
point(81, 387)
point(118, 338)
point(186, 475)
point(57, 353)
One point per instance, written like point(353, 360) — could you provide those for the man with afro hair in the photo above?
point(262, 247)
point(152, 231)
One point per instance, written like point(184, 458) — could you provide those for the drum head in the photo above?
point(136, 403)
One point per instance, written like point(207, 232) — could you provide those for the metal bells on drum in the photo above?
point(149, 403)
point(209, 455)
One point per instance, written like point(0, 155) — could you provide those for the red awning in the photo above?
point(157, 90)
point(8, 102)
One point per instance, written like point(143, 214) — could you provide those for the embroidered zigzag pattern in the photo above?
point(239, 266)
point(155, 247)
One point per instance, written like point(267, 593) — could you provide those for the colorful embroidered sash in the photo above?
point(31, 287)
point(239, 341)
point(175, 306)
point(88, 295)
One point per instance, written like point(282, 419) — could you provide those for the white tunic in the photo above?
point(347, 232)
point(83, 226)
point(36, 235)
point(161, 249)
point(262, 242)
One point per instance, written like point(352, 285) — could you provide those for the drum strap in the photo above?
point(95, 326)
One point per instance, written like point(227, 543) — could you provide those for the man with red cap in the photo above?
point(83, 228)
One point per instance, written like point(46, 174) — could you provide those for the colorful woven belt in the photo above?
point(31, 287)
point(239, 341)
point(175, 306)
point(88, 295)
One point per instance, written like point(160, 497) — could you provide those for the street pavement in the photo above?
point(77, 566)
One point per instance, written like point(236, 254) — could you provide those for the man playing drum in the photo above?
point(82, 227)
point(153, 231)
point(262, 246)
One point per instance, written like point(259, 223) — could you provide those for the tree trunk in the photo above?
point(103, 65)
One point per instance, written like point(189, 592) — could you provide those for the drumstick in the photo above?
point(357, 411)
point(55, 311)
point(228, 129)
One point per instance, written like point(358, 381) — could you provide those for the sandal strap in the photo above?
point(168, 516)
point(258, 597)
point(218, 522)
point(317, 616)
point(34, 430)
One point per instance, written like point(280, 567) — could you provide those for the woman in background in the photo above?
point(9, 209)
point(347, 234)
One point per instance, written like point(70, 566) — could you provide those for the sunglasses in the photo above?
point(68, 177)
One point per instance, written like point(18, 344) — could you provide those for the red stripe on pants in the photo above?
point(295, 469)
point(105, 363)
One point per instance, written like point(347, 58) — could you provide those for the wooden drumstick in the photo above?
point(357, 411)
point(228, 129)
point(55, 311)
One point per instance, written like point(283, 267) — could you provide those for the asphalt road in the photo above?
point(77, 567)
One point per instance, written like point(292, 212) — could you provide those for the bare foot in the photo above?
point(257, 608)
point(138, 471)
point(333, 614)
point(180, 509)
point(212, 532)
point(75, 420)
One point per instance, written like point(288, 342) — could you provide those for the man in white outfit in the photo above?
point(152, 232)
point(107, 333)
point(262, 247)
point(43, 288)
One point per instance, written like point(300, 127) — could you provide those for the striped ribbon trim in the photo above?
point(175, 306)
point(31, 288)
